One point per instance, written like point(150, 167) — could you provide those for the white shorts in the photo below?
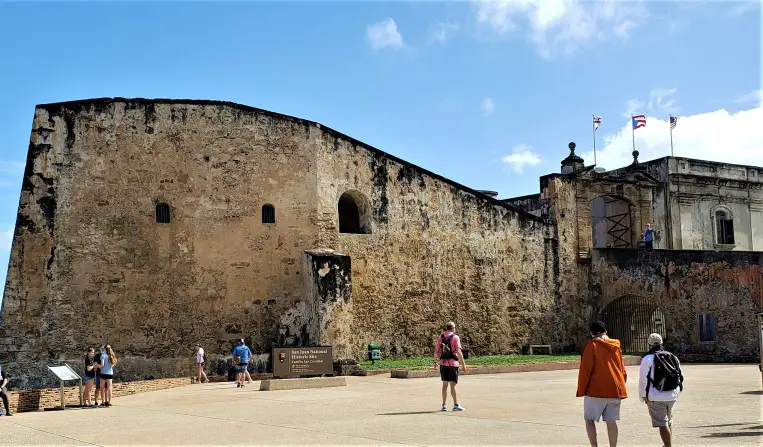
point(595, 408)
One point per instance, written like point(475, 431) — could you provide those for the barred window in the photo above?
point(163, 213)
point(707, 327)
point(268, 214)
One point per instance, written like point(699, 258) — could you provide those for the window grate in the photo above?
point(163, 213)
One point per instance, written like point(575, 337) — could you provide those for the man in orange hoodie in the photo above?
point(601, 379)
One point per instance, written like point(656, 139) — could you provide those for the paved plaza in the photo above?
point(722, 405)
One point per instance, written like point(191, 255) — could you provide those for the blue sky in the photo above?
point(488, 94)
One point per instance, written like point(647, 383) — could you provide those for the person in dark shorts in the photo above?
point(89, 378)
point(98, 361)
point(241, 355)
point(108, 362)
point(447, 356)
point(4, 392)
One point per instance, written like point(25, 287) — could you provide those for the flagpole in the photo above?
point(670, 124)
point(593, 126)
point(633, 133)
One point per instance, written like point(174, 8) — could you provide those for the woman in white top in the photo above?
point(200, 359)
point(107, 374)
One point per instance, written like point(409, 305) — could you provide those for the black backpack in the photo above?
point(667, 372)
point(446, 351)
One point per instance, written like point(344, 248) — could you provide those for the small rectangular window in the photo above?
point(268, 214)
point(707, 327)
point(163, 213)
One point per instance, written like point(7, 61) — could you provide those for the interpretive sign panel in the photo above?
point(64, 372)
point(304, 361)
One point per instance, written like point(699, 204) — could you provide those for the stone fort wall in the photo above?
point(90, 264)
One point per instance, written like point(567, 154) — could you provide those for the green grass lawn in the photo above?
point(428, 361)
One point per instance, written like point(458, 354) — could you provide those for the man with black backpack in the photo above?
point(660, 383)
point(447, 355)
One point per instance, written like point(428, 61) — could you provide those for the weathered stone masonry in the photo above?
point(685, 284)
point(285, 232)
point(91, 264)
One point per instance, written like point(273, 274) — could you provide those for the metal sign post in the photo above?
point(65, 372)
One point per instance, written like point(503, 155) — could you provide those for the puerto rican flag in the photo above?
point(596, 122)
point(638, 121)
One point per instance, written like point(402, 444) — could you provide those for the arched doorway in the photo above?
point(353, 211)
point(611, 225)
point(630, 319)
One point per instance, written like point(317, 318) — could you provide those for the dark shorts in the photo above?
point(107, 376)
point(649, 245)
point(98, 381)
point(87, 379)
point(241, 367)
point(449, 373)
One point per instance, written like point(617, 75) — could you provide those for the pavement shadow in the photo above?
point(747, 430)
point(754, 393)
point(403, 413)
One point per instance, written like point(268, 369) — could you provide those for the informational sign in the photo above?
point(64, 372)
point(305, 361)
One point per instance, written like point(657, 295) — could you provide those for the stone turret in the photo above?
point(572, 163)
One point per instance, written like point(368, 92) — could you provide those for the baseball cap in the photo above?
point(654, 339)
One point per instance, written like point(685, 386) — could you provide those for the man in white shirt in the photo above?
point(659, 392)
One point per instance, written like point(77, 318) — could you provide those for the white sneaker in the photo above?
point(458, 407)
point(444, 407)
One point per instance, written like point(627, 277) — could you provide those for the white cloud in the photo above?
point(487, 106)
point(633, 106)
point(662, 99)
point(442, 31)
point(717, 136)
point(521, 156)
point(384, 34)
point(755, 96)
point(561, 25)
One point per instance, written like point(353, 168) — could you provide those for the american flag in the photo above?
point(673, 121)
point(638, 121)
point(596, 122)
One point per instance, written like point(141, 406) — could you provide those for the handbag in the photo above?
point(236, 360)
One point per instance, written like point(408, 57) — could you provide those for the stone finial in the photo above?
point(635, 156)
point(572, 163)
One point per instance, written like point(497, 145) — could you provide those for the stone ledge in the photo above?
point(297, 384)
point(500, 369)
point(371, 372)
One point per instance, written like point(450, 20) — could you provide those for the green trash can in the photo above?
point(374, 352)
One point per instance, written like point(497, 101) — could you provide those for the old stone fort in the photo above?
point(156, 224)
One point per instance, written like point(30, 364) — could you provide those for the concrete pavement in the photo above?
point(721, 405)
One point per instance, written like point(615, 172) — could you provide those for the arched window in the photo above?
point(163, 213)
point(724, 227)
point(353, 213)
point(268, 214)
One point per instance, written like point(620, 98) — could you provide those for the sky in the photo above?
point(488, 94)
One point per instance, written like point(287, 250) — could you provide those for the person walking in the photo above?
point(89, 377)
point(201, 358)
point(108, 362)
point(659, 385)
point(241, 355)
point(4, 392)
point(447, 356)
point(601, 382)
point(648, 237)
